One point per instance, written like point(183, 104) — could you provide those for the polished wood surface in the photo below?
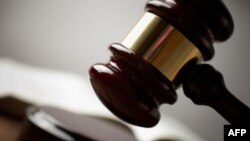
point(21, 121)
point(133, 89)
point(9, 128)
point(205, 86)
point(54, 124)
point(202, 22)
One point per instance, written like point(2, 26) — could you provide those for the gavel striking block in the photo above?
point(163, 51)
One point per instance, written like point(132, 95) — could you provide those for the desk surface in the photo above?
point(69, 91)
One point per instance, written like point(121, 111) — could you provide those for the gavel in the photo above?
point(163, 52)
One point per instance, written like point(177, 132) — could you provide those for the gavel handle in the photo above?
point(205, 86)
point(233, 110)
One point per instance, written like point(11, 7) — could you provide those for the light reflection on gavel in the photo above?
point(162, 52)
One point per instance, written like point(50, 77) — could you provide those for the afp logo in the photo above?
point(236, 133)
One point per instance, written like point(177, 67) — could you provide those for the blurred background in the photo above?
point(71, 35)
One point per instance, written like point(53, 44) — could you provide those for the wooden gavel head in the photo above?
point(149, 64)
